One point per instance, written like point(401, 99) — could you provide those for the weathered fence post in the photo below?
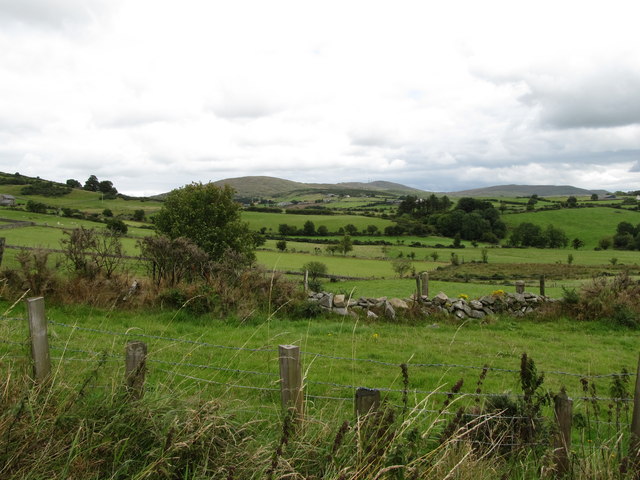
point(306, 281)
point(135, 368)
point(367, 401)
point(562, 442)
point(425, 284)
point(39, 340)
point(542, 285)
point(291, 380)
point(418, 288)
point(634, 444)
point(519, 286)
point(2, 242)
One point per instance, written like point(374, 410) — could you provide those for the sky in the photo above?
point(441, 96)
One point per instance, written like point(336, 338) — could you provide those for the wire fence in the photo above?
point(609, 412)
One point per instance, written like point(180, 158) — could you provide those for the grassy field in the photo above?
point(587, 224)
point(556, 346)
point(271, 221)
point(84, 201)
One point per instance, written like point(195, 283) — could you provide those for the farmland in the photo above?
point(226, 357)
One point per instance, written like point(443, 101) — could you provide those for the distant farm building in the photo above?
point(7, 200)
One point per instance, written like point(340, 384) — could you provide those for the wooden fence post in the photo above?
point(519, 286)
point(39, 340)
point(135, 368)
point(418, 288)
point(542, 285)
point(306, 281)
point(291, 380)
point(562, 442)
point(2, 242)
point(367, 401)
point(634, 444)
point(425, 284)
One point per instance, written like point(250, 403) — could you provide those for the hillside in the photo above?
point(526, 191)
point(263, 186)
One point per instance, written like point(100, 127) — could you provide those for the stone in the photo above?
point(389, 312)
point(460, 314)
point(441, 298)
point(339, 301)
point(340, 311)
point(475, 304)
point(477, 314)
point(371, 315)
point(326, 301)
point(398, 303)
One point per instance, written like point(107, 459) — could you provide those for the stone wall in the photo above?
point(516, 304)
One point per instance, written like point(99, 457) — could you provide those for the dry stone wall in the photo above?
point(516, 304)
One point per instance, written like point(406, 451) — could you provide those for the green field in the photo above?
point(85, 201)
point(271, 221)
point(587, 224)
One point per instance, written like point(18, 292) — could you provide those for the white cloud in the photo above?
point(153, 95)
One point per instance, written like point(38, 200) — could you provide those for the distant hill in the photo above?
point(526, 191)
point(263, 186)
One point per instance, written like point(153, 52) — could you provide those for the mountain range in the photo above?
point(264, 186)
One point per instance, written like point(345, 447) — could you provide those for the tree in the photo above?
point(401, 266)
point(138, 215)
point(594, 196)
point(605, 243)
point(73, 183)
point(107, 212)
point(323, 230)
point(315, 269)
point(309, 228)
point(117, 227)
point(281, 245)
point(345, 245)
point(208, 216)
point(572, 202)
point(576, 243)
point(92, 184)
point(107, 188)
point(36, 207)
point(372, 229)
point(350, 229)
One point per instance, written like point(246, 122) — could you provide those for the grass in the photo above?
point(91, 202)
point(588, 224)
point(271, 221)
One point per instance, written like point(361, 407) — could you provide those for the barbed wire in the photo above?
point(210, 367)
point(231, 385)
point(159, 337)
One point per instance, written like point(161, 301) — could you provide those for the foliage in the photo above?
point(345, 245)
point(171, 261)
point(281, 245)
point(315, 269)
point(531, 235)
point(117, 226)
point(73, 183)
point(33, 273)
point(138, 215)
point(401, 266)
point(209, 217)
point(46, 189)
point(92, 184)
point(613, 300)
point(36, 207)
point(89, 253)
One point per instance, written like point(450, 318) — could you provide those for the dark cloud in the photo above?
point(606, 99)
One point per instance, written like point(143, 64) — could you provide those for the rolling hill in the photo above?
point(526, 191)
point(263, 186)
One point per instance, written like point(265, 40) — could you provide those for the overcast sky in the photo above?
point(443, 96)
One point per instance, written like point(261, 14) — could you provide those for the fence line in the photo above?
point(292, 388)
point(332, 357)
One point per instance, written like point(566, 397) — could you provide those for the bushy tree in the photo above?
point(92, 184)
point(208, 216)
point(345, 245)
point(171, 261)
point(309, 228)
point(401, 266)
point(117, 227)
point(73, 183)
